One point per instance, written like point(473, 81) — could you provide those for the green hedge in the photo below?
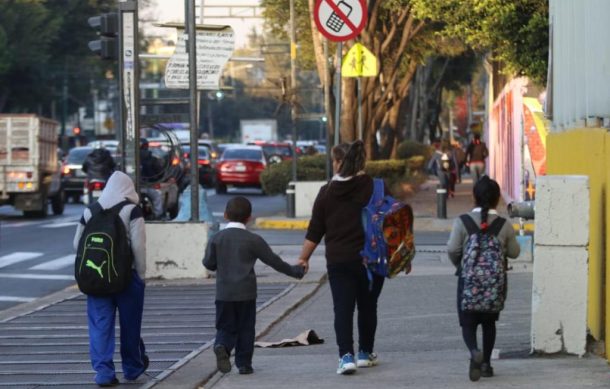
point(275, 178)
point(408, 149)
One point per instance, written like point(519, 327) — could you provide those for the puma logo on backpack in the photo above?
point(104, 258)
point(388, 234)
point(483, 271)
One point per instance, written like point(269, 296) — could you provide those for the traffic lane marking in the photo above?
point(56, 264)
point(17, 299)
point(17, 257)
point(32, 276)
point(60, 225)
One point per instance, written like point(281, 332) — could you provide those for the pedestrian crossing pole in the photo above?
point(191, 31)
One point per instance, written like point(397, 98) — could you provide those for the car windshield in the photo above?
point(203, 151)
point(77, 156)
point(248, 154)
point(284, 151)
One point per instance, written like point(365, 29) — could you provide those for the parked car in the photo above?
point(223, 146)
point(276, 152)
point(111, 144)
point(72, 175)
point(207, 166)
point(240, 166)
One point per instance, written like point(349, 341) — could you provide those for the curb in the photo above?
point(281, 224)
point(430, 224)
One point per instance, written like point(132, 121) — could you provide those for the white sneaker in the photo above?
point(366, 359)
point(346, 364)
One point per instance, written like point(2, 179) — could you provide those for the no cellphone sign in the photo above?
point(340, 20)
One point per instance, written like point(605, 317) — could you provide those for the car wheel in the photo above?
point(40, 213)
point(57, 203)
point(221, 188)
point(76, 198)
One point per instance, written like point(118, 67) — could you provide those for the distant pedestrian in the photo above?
point(101, 311)
point(232, 253)
point(443, 164)
point(478, 246)
point(476, 153)
point(337, 217)
point(460, 159)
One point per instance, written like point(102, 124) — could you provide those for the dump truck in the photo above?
point(30, 173)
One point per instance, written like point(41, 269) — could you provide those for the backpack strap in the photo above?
point(95, 208)
point(378, 191)
point(496, 226)
point(470, 224)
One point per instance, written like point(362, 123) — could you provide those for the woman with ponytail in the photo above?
point(486, 197)
point(337, 217)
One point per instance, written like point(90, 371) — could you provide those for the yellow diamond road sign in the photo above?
point(359, 62)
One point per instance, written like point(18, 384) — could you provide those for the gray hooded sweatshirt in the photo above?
point(120, 188)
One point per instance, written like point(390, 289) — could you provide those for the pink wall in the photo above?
point(504, 139)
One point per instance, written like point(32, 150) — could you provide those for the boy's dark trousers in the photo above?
point(235, 321)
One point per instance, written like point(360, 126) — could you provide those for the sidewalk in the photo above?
point(418, 338)
point(424, 208)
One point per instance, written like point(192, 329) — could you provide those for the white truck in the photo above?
point(258, 130)
point(30, 174)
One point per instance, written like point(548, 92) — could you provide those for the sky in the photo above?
point(173, 10)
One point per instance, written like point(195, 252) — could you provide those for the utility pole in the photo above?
point(293, 79)
point(190, 29)
point(327, 111)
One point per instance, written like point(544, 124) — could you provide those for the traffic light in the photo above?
point(107, 25)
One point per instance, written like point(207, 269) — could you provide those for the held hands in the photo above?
point(305, 264)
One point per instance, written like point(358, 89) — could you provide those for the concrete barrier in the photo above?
point(305, 195)
point(174, 250)
point(559, 295)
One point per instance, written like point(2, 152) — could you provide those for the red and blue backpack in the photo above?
point(389, 246)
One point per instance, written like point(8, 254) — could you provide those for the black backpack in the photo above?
point(104, 258)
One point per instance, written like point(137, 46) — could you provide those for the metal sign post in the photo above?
point(360, 62)
point(339, 21)
point(193, 108)
point(129, 78)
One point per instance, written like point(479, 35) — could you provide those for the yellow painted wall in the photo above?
point(584, 152)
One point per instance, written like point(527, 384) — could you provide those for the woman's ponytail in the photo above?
point(354, 160)
point(486, 195)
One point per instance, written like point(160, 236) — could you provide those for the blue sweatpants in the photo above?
point(101, 313)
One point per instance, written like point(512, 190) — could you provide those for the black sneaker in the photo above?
point(222, 358)
point(487, 370)
point(246, 370)
point(474, 372)
point(114, 382)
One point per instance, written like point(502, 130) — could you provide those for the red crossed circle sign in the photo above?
point(340, 20)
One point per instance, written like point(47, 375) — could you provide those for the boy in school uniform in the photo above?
point(232, 253)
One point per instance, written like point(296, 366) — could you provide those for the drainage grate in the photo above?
point(50, 347)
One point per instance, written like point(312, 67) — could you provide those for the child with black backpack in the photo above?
point(232, 253)
point(478, 246)
point(110, 267)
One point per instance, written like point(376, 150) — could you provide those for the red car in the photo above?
point(240, 166)
point(276, 152)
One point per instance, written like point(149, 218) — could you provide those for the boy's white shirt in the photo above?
point(235, 225)
point(491, 211)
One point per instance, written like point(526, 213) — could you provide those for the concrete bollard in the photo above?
point(290, 196)
point(441, 203)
